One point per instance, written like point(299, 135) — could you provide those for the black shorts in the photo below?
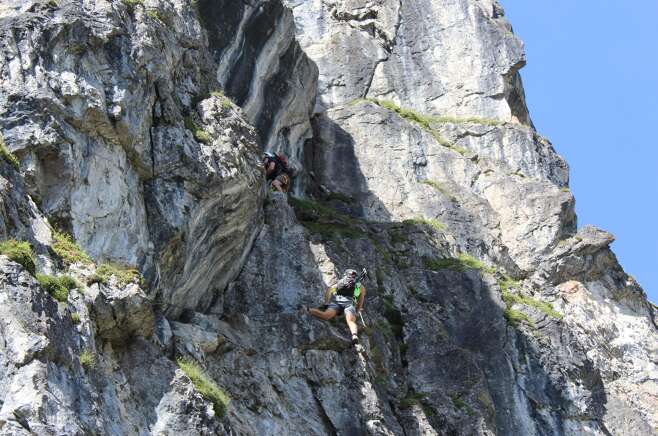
point(342, 304)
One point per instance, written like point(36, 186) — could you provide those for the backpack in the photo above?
point(280, 165)
point(348, 287)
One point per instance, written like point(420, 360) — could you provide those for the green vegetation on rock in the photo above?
point(87, 359)
point(19, 252)
point(460, 264)
point(514, 317)
point(70, 252)
point(155, 14)
point(57, 287)
point(8, 155)
point(433, 223)
point(227, 103)
point(199, 134)
point(339, 197)
point(426, 121)
point(75, 318)
point(308, 210)
point(547, 308)
point(506, 283)
point(411, 399)
point(69, 282)
point(323, 220)
point(423, 121)
point(206, 386)
point(124, 275)
point(329, 231)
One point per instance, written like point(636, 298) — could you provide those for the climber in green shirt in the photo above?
point(346, 297)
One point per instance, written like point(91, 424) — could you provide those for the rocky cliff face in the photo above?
point(136, 126)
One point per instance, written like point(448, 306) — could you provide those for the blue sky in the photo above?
point(592, 88)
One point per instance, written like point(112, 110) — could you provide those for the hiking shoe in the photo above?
point(355, 340)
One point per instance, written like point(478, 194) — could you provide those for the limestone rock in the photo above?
point(121, 314)
point(401, 170)
point(182, 411)
point(194, 340)
point(138, 128)
point(416, 54)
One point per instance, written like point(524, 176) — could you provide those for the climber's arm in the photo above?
point(269, 168)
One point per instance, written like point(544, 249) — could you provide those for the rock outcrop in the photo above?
point(136, 126)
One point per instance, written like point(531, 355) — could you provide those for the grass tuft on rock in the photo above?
point(338, 196)
point(227, 103)
point(70, 252)
point(308, 210)
point(433, 223)
point(75, 318)
point(544, 307)
point(412, 399)
point(69, 282)
point(8, 156)
point(199, 134)
point(325, 221)
point(19, 252)
point(506, 283)
point(57, 287)
point(514, 317)
point(124, 275)
point(330, 231)
point(460, 264)
point(205, 385)
point(87, 359)
point(423, 121)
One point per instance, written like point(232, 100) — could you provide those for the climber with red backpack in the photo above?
point(346, 297)
point(277, 171)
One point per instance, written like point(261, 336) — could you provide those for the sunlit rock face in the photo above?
point(138, 126)
point(104, 103)
point(455, 58)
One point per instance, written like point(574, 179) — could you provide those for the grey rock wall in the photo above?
point(138, 127)
point(445, 58)
point(101, 102)
point(263, 68)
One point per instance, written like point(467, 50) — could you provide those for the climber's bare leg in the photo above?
point(278, 186)
point(325, 315)
point(350, 318)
